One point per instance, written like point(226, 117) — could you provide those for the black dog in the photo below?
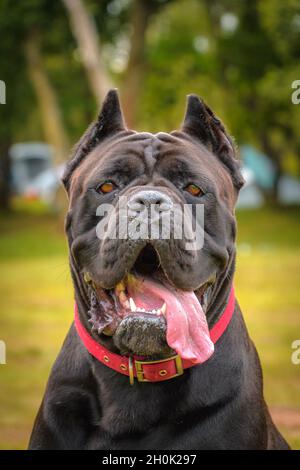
point(153, 297)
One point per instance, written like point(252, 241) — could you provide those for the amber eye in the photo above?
point(193, 189)
point(106, 187)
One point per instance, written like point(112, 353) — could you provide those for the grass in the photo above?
point(36, 304)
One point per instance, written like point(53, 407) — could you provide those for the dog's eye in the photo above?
point(194, 190)
point(106, 187)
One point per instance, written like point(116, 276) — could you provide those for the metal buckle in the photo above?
point(131, 372)
point(140, 372)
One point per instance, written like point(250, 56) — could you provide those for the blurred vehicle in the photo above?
point(28, 160)
point(289, 190)
point(250, 196)
point(261, 166)
point(47, 186)
point(33, 175)
point(259, 174)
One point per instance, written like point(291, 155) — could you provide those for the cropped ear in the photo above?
point(201, 122)
point(110, 121)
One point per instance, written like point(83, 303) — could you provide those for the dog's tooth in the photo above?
point(142, 310)
point(132, 304)
point(108, 331)
point(124, 300)
point(163, 308)
point(120, 287)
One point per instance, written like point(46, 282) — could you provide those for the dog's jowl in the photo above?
point(158, 356)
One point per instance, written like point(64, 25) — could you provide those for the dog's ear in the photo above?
point(110, 121)
point(201, 122)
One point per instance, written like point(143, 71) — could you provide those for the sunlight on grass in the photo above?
point(37, 309)
point(38, 302)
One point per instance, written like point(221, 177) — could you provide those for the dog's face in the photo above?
point(144, 283)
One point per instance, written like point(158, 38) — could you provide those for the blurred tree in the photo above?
point(14, 93)
point(140, 14)
point(257, 52)
point(89, 38)
point(55, 75)
point(85, 32)
point(53, 127)
point(17, 22)
point(241, 56)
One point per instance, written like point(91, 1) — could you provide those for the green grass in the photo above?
point(36, 309)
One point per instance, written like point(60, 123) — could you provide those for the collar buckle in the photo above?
point(140, 371)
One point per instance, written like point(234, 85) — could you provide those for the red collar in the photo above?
point(149, 371)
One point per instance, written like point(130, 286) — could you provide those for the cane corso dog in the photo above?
point(153, 298)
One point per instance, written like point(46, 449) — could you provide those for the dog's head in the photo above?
point(145, 282)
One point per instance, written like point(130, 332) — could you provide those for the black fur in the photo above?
point(215, 405)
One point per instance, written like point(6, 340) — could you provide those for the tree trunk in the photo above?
point(275, 155)
point(86, 35)
point(132, 86)
point(4, 176)
point(53, 127)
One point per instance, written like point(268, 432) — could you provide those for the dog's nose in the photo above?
point(146, 199)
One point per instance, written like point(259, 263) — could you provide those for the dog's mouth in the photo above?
point(146, 295)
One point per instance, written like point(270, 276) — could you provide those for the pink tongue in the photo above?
point(187, 329)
